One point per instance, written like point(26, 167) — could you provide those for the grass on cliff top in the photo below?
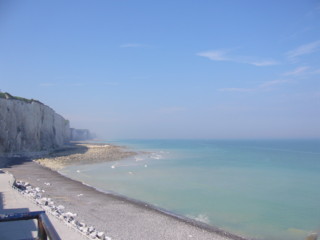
point(6, 95)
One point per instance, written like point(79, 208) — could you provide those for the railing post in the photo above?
point(48, 227)
point(41, 231)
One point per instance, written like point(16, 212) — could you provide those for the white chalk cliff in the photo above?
point(28, 125)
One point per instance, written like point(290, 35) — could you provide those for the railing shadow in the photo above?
point(17, 230)
point(21, 231)
point(21, 223)
point(44, 227)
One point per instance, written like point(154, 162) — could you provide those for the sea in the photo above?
point(259, 189)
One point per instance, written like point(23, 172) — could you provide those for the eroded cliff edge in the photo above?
point(30, 126)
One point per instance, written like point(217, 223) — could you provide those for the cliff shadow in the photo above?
point(1, 197)
point(8, 162)
point(70, 149)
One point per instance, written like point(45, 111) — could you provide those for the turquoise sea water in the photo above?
point(264, 189)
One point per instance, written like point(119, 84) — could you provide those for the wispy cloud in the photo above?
point(268, 84)
point(110, 83)
point(217, 55)
point(303, 50)
point(297, 71)
point(47, 84)
point(170, 110)
point(132, 45)
point(223, 55)
point(236, 89)
point(264, 63)
point(264, 86)
point(79, 84)
point(317, 71)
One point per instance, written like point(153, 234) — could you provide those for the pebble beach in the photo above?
point(110, 215)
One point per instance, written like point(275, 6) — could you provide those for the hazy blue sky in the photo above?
point(169, 68)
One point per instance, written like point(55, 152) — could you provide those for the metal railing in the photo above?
point(45, 228)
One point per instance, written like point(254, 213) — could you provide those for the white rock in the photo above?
point(82, 224)
point(46, 208)
point(93, 234)
point(75, 223)
point(60, 208)
point(54, 213)
point(101, 235)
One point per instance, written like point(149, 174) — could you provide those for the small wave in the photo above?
point(138, 159)
point(201, 218)
point(164, 152)
point(156, 156)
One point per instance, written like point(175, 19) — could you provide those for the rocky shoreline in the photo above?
point(84, 153)
point(68, 218)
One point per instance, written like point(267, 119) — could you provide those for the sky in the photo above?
point(223, 69)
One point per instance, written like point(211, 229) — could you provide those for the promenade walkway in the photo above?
point(11, 201)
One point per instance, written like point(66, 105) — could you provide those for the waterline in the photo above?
point(265, 190)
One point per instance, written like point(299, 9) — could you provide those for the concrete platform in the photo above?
point(11, 201)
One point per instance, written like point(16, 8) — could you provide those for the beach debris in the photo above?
point(48, 184)
point(78, 171)
point(113, 166)
point(79, 195)
point(48, 205)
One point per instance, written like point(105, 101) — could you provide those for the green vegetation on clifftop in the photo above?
point(9, 96)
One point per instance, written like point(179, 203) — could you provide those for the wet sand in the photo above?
point(119, 217)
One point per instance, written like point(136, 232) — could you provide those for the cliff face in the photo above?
point(30, 126)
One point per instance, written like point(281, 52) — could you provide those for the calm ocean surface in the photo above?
point(264, 189)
